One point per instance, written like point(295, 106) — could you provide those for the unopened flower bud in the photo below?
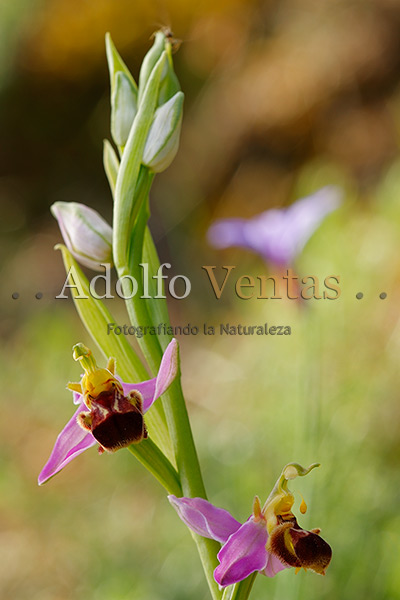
point(123, 95)
point(169, 83)
point(150, 60)
point(86, 234)
point(163, 139)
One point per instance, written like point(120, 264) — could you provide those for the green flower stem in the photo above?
point(241, 590)
point(176, 415)
point(157, 307)
point(136, 306)
point(189, 472)
point(157, 463)
point(209, 562)
point(130, 223)
point(129, 169)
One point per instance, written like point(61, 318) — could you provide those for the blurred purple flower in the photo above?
point(278, 235)
point(74, 439)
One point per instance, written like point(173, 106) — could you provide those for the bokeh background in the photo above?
point(282, 97)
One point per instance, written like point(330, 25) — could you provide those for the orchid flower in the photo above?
point(278, 235)
point(116, 409)
point(269, 541)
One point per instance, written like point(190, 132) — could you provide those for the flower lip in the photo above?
point(298, 547)
point(115, 421)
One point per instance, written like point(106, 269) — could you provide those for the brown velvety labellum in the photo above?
point(117, 421)
point(298, 547)
point(313, 552)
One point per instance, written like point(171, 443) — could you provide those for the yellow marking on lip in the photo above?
point(303, 506)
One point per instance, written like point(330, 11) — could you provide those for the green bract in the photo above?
point(123, 108)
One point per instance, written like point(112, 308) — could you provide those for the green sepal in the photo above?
point(111, 164)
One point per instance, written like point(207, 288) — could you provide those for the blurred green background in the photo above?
point(281, 98)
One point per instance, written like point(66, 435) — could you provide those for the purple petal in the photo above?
point(243, 553)
point(77, 397)
point(278, 235)
point(204, 518)
point(168, 369)
point(228, 232)
point(266, 234)
point(274, 565)
point(154, 388)
point(71, 442)
point(305, 215)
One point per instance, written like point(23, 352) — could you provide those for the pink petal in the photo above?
point(77, 397)
point(243, 553)
point(146, 388)
point(168, 369)
point(154, 388)
point(204, 518)
point(71, 442)
point(274, 565)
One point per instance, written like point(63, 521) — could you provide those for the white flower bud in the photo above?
point(163, 139)
point(86, 234)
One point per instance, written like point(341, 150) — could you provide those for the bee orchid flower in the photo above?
point(278, 235)
point(269, 541)
point(110, 411)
